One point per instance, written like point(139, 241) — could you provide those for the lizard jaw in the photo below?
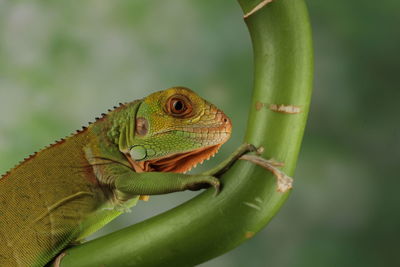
point(178, 163)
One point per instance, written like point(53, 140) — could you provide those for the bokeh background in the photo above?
point(62, 63)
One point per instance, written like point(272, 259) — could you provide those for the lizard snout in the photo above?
point(225, 122)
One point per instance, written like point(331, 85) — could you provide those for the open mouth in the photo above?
point(181, 162)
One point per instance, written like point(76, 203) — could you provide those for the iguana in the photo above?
point(72, 188)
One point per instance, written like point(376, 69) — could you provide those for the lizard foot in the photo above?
point(201, 182)
point(284, 182)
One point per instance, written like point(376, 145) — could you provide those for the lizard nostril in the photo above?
point(225, 120)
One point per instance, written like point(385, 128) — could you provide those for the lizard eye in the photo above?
point(179, 106)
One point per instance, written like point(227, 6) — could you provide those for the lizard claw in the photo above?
point(259, 150)
point(57, 260)
point(217, 185)
point(250, 148)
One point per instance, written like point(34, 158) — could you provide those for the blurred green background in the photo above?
point(62, 63)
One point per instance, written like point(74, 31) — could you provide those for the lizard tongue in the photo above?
point(183, 162)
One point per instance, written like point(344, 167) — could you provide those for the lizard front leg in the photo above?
point(156, 183)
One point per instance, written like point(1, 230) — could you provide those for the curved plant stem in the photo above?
point(208, 226)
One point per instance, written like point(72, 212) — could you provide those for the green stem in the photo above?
point(208, 226)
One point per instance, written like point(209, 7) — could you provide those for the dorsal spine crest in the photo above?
point(62, 140)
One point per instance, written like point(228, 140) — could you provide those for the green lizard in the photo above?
point(72, 188)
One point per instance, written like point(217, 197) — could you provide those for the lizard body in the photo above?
point(74, 187)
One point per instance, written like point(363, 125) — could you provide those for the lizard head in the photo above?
point(176, 129)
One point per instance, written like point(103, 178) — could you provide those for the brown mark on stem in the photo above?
point(259, 105)
point(249, 234)
point(286, 109)
point(257, 7)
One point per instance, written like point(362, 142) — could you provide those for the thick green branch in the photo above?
point(208, 226)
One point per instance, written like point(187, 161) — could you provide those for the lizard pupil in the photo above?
point(178, 105)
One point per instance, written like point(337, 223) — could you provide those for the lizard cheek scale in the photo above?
point(138, 152)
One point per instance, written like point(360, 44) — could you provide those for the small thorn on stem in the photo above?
point(257, 7)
